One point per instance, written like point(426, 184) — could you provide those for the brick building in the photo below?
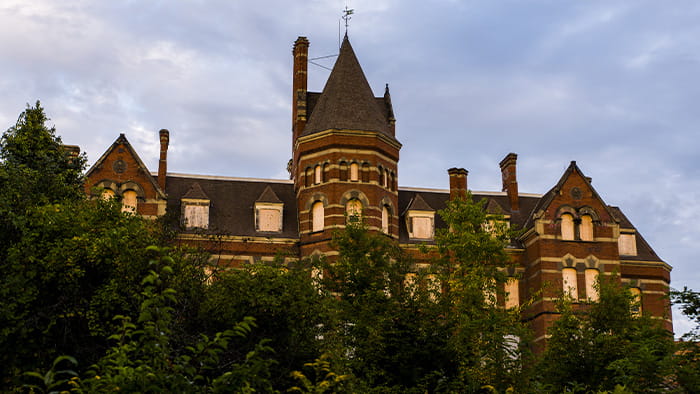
point(345, 161)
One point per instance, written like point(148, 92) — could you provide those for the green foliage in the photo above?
point(601, 345)
point(54, 380)
point(286, 305)
point(324, 379)
point(687, 356)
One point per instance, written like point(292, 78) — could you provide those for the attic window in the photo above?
point(195, 213)
point(421, 224)
point(268, 217)
point(627, 244)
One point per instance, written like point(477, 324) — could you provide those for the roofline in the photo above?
point(224, 178)
point(474, 192)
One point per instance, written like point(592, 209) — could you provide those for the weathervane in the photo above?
point(346, 16)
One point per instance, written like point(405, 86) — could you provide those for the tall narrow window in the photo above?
point(385, 183)
point(129, 201)
point(317, 216)
point(385, 219)
point(636, 301)
point(512, 293)
point(326, 175)
point(317, 174)
point(343, 171)
point(591, 287)
point(353, 209)
point(382, 176)
point(586, 229)
point(354, 172)
point(570, 282)
point(309, 176)
point(567, 227)
point(365, 172)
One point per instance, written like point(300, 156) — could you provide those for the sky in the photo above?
point(611, 84)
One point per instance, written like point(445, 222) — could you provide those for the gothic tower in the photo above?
point(345, 153)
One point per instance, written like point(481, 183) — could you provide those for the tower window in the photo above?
point(309, 176)
point(354, 172)
point(317, 217)
point(343, 171)
point(353, 209)
point(385, 219)
point(512, 289)
point(365, 172)
point(317, 174)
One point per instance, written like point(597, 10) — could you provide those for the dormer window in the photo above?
point(195, 213)
point(195, 208)
point(420, 219)
point(268, 217)
point(269, 211)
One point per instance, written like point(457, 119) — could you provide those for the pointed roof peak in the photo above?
point(196, 193)
point(418, 204)
point(347, 101)
point(268, 195)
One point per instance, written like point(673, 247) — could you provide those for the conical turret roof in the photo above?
point(347, 101)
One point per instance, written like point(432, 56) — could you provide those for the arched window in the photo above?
point(386, 219)
point(570, 282)
point(382, 176)
point(325, 176)
point(586, 228)
point(107, 194)
point(365, 172)
point(353, 209)
point(392, 181)
point(317, 174)
point(317, 217)
point(354, 172)
point(591, 287)
point(129, 202)
point(567, 227)
point(385, 183)
point(512, 289)
point(343, 171)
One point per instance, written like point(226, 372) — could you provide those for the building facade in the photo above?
point(345, 164)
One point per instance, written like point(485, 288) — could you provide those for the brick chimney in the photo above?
point(510, 182)
point(458, 183)
point(299, 86)
point(163, 163)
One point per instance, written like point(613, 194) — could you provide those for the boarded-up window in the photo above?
point(627, 243)
point(317, 216)
point(129, 202)
point(354, 172)
point(107, 194)
point(421, 227)
point(385, 219)
point(567, 227)
point(591, 284)
point(586, 229)
point(317, 174)
point(636, 301)
point(570, 282)
point(196, 215)
point(353, 209)
point(512, 289)
point(269, 219)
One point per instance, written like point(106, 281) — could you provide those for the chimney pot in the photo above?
point(458, 183)
point(163, 162)
point(510, 181)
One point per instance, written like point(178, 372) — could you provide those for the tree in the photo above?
point(687, 355)
point(603, 344)
point(35, 170)
point(487, 340)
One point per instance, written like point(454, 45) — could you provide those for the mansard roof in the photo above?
point(347, 101)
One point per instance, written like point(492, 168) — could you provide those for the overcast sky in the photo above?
point(611, 84)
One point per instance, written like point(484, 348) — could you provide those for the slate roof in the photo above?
point(232, 203)
point(347, 101)
point(644, 251)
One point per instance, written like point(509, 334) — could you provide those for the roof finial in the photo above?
point(346, 17)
